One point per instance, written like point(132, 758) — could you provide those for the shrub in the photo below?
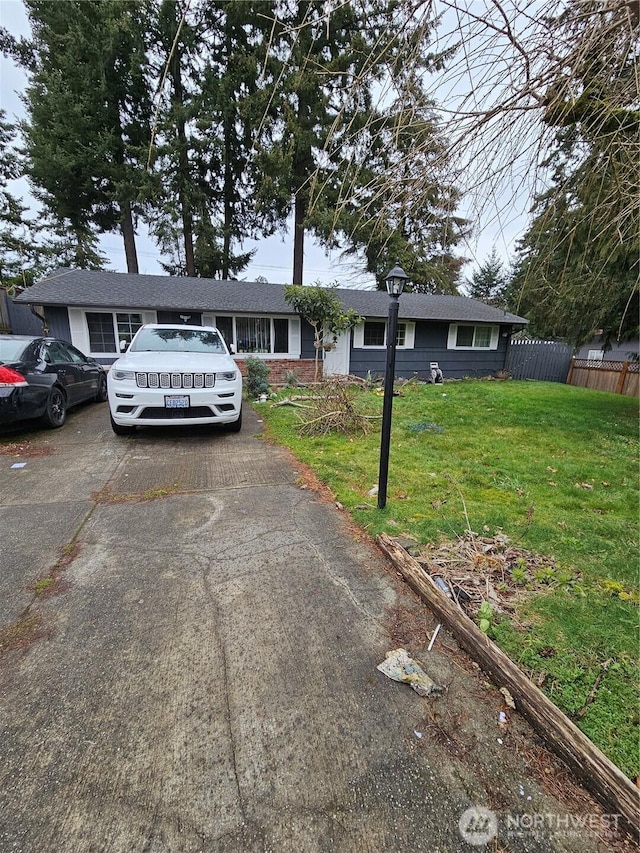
point(256, 378)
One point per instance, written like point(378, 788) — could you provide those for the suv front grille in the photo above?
point(175, 380)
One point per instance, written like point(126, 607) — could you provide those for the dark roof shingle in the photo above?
point(98, 289)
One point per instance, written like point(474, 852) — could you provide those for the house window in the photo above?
point(473, 337)
point(225, 326)
point(595, 355)
point(373, 333)
point(281, 336)
point(105, 330)
point(255, 334)
point(128, 325)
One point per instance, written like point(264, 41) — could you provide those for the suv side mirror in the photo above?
point(232, 349)
point(123, 346)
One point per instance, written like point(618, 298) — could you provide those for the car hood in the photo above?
point(175, 362)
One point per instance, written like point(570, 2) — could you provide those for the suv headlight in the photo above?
point(123, 374)
point(229, 376)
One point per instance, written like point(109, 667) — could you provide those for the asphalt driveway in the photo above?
point(190, 639)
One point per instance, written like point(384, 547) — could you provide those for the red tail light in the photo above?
point(10, 378)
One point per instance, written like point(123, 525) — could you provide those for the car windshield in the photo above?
point(178, 340)
point(12, 349)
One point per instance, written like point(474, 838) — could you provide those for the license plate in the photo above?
point(177, 402)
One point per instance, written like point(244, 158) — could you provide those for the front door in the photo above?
point(336, 360)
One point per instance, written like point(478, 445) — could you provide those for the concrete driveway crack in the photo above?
point(225, 681)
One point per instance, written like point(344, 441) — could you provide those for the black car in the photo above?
point(43, 377)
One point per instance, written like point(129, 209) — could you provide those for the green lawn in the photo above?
point(555, 468)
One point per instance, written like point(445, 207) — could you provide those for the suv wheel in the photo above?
point(121, 430)
point(236, 426)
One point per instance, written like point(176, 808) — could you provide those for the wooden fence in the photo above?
point(619, 377)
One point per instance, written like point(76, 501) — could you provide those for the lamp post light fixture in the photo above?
point(395, 282)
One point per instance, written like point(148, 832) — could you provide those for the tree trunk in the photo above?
point(183, 167)
point(187, 229)
point(301, 158)
point(129, 237)
point(298, 237)
point(228, 206)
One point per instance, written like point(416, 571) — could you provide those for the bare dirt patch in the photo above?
point(24, 448)
point(106, 496)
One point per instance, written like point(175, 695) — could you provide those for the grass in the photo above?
point(553, 467)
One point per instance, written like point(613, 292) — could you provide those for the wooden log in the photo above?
point(600, 775)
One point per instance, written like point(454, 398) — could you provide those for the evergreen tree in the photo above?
point(394, 215)
point(489, 282)
point(17, 249)
point(316, 51)
point(351, 169)
point(203, 197)
point(579, 262)
point(88, 115)
point(31, 245)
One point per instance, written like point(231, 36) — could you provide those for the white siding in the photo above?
point(79, 330)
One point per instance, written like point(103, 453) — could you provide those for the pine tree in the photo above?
point(489, 282)
point(315, 51)
point(203, 203)
point(18, 253)
point(350, 168)
point(579, 262)
point(88, 117)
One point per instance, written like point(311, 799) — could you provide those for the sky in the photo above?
point(497, 225)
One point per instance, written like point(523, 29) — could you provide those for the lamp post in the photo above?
point(395, 282)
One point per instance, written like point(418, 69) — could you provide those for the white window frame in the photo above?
point(409, 335)
point(453, 336)
point(595, 355)
point(79, 327)
point(293, 343)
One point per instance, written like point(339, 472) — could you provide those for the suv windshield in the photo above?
point(178, 340)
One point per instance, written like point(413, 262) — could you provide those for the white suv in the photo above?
point(175, 375)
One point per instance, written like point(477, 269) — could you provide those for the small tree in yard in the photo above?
point(320, 307)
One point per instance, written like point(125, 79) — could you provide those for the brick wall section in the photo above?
point(303, 368)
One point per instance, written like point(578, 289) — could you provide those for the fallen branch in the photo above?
point(290, 402)
point(592, 693)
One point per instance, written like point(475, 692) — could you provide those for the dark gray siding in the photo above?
point(431, 345)
point(548, 361)
point(58, 320)
point(22, 321)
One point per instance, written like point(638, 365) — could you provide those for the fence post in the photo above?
point(570, 376)
point(623, 376)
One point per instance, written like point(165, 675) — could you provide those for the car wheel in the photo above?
point(236, 426)
point(55, 413)
point(101, 394)
point(121, 430)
